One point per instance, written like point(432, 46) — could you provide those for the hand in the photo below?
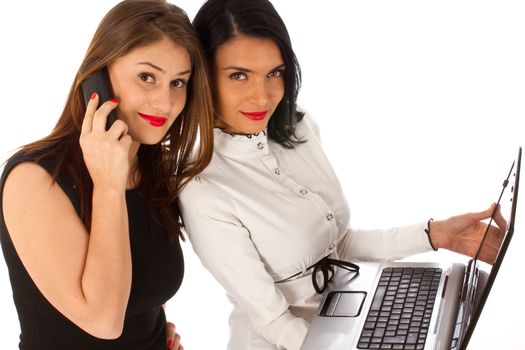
point(463, 234)
point(173, 338)
point(106, 153)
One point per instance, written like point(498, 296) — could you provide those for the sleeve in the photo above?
point(390, 244)
point(224, 247)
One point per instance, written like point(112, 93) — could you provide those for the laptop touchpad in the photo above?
point(343, 304)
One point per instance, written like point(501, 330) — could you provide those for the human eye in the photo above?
point(179, 83)
point(276, 73)
point(147, 77)
point(238, 76)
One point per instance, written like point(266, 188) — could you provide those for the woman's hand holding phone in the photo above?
point(106, 153)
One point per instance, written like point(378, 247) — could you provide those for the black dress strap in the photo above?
point(65, 182)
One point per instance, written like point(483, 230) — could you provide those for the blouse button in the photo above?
point(277, 171)
point(260, 145)
point(303, 191)
point(331, 247)
point(330, 217)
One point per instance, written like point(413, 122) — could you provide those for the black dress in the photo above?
point(157, 273)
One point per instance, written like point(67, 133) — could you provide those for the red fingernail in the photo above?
point(114, 100)
point(93, 95)
point(170, 344)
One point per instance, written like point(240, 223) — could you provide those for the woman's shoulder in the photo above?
point(29, 168)
point(213, 184)
point(206, 197)
point(25, 174)
point(32, 174)
point(203, 186)
point(307, 124)
point(26, 188)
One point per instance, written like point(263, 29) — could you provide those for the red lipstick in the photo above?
point(255, 115)
point(154, 120)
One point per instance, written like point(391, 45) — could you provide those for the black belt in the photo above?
point(326, 266)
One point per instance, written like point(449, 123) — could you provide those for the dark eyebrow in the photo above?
point(185, 72)
point(241, 69)
point(162, 70)
point(152, 66)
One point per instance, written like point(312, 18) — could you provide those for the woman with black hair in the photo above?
point(269, 210)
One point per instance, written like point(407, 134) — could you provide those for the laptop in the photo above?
point(411, 305)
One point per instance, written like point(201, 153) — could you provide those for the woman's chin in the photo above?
point(147, 139)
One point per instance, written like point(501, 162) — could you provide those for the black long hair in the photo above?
point(220, 20)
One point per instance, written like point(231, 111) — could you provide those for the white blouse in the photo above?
point(260, 213)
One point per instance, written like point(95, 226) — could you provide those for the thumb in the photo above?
point(485, 214)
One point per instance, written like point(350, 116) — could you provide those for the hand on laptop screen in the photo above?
point(463, 233)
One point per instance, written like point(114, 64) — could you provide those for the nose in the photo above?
point(260, 94)
point(160, 100)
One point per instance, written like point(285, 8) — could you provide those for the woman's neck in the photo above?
point(225, 128)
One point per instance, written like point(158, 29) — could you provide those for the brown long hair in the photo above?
point(165, 167)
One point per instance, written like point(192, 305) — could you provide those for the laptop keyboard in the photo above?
point(400, 312)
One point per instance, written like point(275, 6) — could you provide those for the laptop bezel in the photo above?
point(499, 259)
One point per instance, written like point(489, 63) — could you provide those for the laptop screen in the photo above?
point(507, 201)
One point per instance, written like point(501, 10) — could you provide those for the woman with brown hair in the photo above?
point(90, 225)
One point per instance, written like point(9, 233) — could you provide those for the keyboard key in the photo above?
point(367, 333)
point(370, 325)
point(412, 338)
point(400, 339)
point(378, 298)
point(379, 333)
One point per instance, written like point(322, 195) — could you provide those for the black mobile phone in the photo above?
point(99, 82)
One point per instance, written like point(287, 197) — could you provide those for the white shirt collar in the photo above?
point(236, 145)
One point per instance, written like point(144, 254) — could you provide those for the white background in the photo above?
point(418, 102)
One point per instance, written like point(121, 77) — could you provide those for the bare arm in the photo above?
point(84, 275)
